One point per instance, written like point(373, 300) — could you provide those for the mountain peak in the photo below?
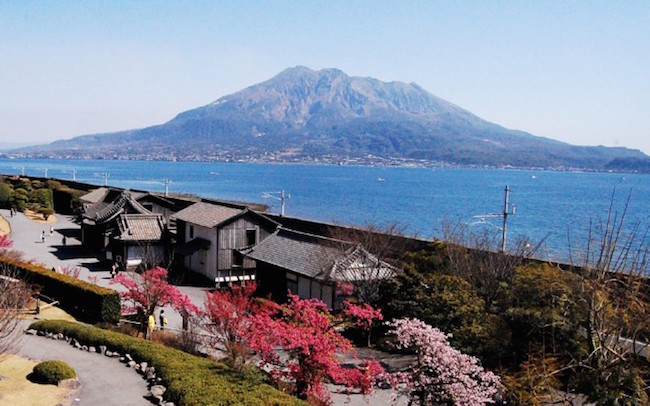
point(304, 114)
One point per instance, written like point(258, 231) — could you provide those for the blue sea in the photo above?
point(554, 207)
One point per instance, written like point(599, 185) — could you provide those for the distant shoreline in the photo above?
point(352, 162)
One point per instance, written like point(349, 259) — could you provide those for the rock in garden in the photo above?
point(92, 349)
point(102, 349)
point(70, 383)
point(31, 332)
point(158, 390)
point(131, 364)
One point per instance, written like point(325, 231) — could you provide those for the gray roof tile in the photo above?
point(302, 253)
point(141, 227)
point(207, 214)
point(318, 257)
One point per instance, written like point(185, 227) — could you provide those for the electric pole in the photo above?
point(507, 210)
point(166, 182)
point(281, 196)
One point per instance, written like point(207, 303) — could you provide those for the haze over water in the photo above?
point(549, 205)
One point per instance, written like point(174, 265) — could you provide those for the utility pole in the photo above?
point(166, 182)
point(282, 203)
point(45, 171)
point(507, 210)
point(105, 178)
point(281, 196)
point(74, 175)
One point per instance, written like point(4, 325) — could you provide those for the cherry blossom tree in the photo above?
point(148, 291)
point(442, 374)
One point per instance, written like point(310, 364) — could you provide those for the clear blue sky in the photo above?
point(576, 71)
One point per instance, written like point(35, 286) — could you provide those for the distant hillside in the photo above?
point(327, 116)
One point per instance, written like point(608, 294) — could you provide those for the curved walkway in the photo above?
point(104, 381)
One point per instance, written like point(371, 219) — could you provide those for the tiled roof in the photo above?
point(319, 257)
point(206, 214)
point(140, 227)
point(95, 196)
point(301, 253)
point(112, 206)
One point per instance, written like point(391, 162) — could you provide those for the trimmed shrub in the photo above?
point(83, 300)
point(53, 372)
point(190, 380)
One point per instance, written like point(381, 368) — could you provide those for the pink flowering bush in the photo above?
point(442, 374)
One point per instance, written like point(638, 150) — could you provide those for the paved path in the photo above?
point(104, 381)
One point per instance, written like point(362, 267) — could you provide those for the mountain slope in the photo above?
point(302, 114)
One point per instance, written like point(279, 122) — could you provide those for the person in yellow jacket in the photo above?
point(151, 324)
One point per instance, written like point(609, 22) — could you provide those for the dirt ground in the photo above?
point(5, 228)
point(38, 217)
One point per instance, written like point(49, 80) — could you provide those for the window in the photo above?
point(191, 231)
point(237, 259)
point(292, 282)
point(251, 237)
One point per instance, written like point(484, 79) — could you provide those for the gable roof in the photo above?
point(211, 215)
point(95, 196)
point(207, 215)
point(140, 227)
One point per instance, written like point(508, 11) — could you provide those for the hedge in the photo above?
point(190, 380)
point(83, 300)
point(53, 372)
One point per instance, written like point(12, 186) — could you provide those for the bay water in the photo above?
point(557, 208)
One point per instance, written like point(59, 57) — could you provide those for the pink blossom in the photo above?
point(442, 374)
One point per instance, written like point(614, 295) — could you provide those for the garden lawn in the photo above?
point(16, 389)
